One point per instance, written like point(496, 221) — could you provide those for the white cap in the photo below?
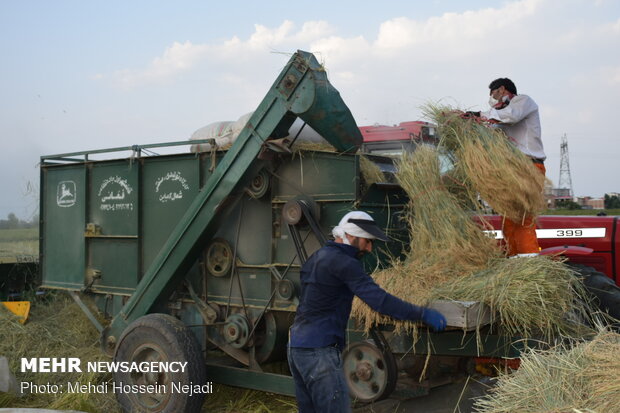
point(358, 224)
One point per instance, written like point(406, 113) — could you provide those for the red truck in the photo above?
point(393, 140)
point(591, 243)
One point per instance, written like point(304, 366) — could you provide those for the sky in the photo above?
point(83, 75)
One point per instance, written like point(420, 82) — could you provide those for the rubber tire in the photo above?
point(391, 367)
point(177, 343)
point(604, 290)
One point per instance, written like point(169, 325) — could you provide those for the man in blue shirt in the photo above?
point(329, 280)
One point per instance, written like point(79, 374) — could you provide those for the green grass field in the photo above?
point(18, 242)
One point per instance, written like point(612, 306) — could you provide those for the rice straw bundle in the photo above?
point(370, 172)
point(450, 257)
point(491, 165)
point(604, 374)
point(301, 146)
point(439, 228)
point(439, 225)
point(574, 377)
point(530, 296)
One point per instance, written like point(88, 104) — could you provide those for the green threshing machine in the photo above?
point(196, 257)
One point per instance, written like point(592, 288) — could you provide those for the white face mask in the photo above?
point(503, 99)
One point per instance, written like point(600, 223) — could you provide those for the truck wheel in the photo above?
point(159, 338)
point(604, 290)
point(370, 373)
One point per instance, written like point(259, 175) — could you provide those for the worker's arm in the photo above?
point(363, 286)
point(519, 108)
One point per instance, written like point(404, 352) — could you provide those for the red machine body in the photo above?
point(574, 235)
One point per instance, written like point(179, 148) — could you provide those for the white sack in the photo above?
point(225, 133)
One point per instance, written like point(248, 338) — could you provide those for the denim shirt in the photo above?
point(329, 280)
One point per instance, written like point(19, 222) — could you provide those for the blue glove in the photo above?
point(434, 319)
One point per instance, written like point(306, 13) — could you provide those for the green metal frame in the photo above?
point(242, 377)
point(67, 157)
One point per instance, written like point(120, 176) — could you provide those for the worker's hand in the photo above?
point(470, 114)
point(434, 319)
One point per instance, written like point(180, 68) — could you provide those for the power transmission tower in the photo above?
point(566, 183)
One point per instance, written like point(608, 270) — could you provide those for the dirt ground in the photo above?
point(456, 397)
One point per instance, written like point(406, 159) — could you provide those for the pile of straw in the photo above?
point(575, 377)
point(370, 172)
point(450, 257)
point(56, 328)
point(490, 165)
point(531, 297)
point(439, 227)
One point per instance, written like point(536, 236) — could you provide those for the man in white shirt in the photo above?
point(517, 115)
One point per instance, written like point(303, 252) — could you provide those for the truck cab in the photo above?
point(394, 140)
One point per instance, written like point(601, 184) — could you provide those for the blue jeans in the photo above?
point(320, 386)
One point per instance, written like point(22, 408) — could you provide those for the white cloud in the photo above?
point(177, 58)
point(467, 31)
point(264, 37)
point(445, 37)
point(611, 75)
point(387, 72)
point(612, 29)
point(183, 57)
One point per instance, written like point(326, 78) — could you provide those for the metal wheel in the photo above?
point(159, 338)
point(267, 341)
point(219, 257)
point(259, 185)
point(370, 373)
point(236, 330)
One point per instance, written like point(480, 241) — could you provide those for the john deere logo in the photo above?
point(65, 194)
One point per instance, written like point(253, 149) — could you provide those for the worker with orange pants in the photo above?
point(517, 115)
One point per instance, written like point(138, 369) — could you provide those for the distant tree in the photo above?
point(612, 202)
point(13, 222)
point(567, 204)
point(34, 221)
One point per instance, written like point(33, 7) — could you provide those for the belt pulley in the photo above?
point(296, 212)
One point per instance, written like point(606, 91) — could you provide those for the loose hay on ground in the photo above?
point(56, 328)
point(573, 377)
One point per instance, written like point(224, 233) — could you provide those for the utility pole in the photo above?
point(565, 185)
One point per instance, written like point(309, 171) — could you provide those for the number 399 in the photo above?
point(569, 233)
